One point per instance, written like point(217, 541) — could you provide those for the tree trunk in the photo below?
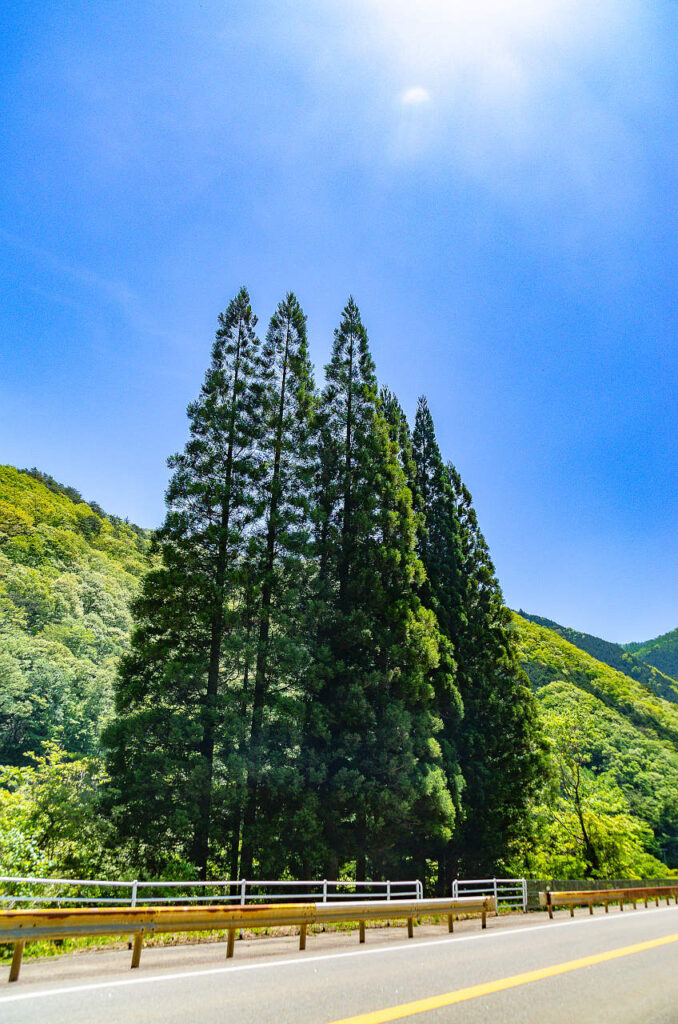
point(234, 858)
point(200, 851)
point(348, 496)
point(260, 678)
point(238, 825)
point(590, 852)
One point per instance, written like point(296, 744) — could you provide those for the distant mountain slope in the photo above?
point(633, 732)
point(617, 656)
point(662, 652)
point(67, 574)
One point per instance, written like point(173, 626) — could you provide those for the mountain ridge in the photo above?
point(617, 656)
point(661, 652)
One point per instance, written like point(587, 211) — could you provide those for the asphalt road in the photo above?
point(610, 968)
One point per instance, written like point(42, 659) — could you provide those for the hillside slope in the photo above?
point(67, 574)
point(662, 652)
point(630, 735)
point(617, 656)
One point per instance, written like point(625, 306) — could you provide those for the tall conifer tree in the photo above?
point(498, 743)
point(503, 752)
point(282, 562)
point(172, 696)
point(371, 753)
point(427, 478)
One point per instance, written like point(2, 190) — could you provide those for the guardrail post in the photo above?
point(324, 890)
point(496, 898)
point(16, 960)
point(136, 952)
point(410, 927)
point(361, 930)
point(302, 937)
point(230, 944)
point(133, 903)
point(243, 896)
point(524, 895)
point(388, 890)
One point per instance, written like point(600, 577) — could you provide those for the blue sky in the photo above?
point(496, 184)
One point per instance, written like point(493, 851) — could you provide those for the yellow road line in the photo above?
point(487, 988)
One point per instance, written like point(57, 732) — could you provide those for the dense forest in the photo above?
point(308, 670)
point(617, 656)
point(662, 652)
point(67, 575)
point(615, 747)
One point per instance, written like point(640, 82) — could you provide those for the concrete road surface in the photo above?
point(610, 968)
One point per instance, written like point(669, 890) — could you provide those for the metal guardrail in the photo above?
point(241, 890)
point(21, 926)
point(587, 897)
point(509, 892)
point(537, 885)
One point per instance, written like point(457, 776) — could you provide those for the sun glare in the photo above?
point(438, 34)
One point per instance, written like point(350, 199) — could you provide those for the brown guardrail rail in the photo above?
point(587, 897)
point(22, 926)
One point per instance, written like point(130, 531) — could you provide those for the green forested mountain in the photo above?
point(629, 658)
point(67, 573)
point(621, 742)
point(662, 652)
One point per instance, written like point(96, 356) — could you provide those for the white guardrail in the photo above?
point(59, 891)
point(508, 892)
